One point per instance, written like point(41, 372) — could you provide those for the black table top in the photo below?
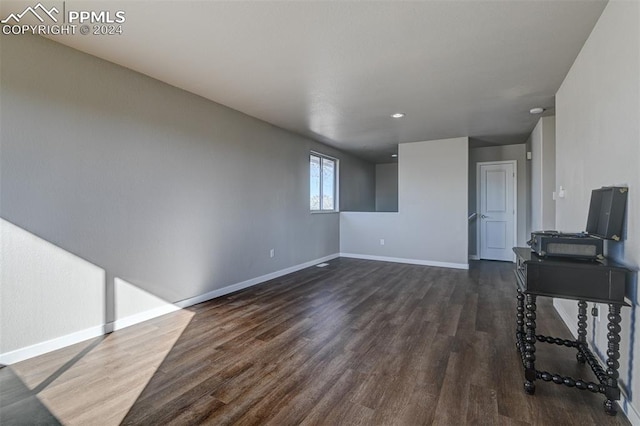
point(530, 256)
point(569, 278)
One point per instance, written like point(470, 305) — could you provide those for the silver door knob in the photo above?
point(484, 216)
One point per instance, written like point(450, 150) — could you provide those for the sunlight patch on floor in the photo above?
point(97, 382)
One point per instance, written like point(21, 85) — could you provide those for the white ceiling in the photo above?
point(336, 70)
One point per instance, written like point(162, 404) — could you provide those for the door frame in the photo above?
point(515, 202)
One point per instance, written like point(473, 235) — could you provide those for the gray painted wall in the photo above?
point(357, 181)
point(387, 187)
point(543, 174)
point(152, 185)
point(500, 153)
point(598, 144)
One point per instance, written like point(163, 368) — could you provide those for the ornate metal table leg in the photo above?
point(613, 355)
point(582, 329)
point(530, 345)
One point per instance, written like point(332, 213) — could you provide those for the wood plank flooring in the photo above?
point(356, 342)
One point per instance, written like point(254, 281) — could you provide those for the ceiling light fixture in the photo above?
point(394, 155)
point(536, 110)
point(398, 115)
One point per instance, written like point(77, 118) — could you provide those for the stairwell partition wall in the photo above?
point(431, 225)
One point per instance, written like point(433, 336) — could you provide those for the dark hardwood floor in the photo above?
point(356, 342)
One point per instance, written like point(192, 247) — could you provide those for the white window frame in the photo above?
point(336, 180)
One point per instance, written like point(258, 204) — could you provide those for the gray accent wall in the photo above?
point(145, 183)
point(357, 181)
point(387, 187)
point(598, 144)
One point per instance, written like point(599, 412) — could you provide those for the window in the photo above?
point(322, 172)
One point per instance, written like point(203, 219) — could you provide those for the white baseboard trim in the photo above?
point(474, 257)
point(249, 283)
point(629, 410)
point(51, 345)
point(404, 260)
point(119, 324)
point(89, 333)
point(626, 406)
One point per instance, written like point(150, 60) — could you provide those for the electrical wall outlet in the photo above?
point(272, 253)
point(381, 241)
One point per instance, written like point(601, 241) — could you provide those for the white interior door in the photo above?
point(497, 215)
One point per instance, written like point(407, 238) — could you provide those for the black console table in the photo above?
point(584, 281)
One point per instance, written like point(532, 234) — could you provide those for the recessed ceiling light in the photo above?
point(394, 155)
point(398, 115)
point(536, 110)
